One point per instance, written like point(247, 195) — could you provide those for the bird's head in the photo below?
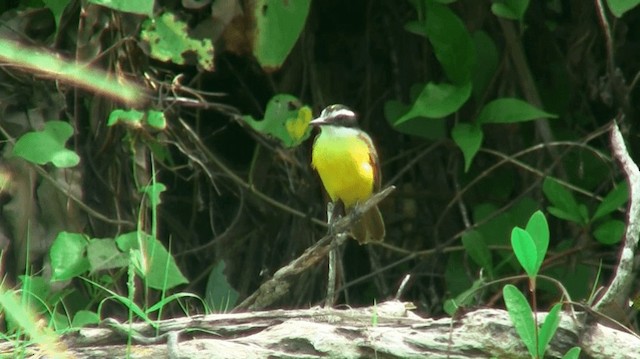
point(336, 115)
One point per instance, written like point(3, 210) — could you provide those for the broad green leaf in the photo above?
point(103, 254)
point(610, 232)
point(573, 353)
point(525, 249)
point(538, 229)
point(564, 204)
point(468, 137)
point(619, 7)
point(68, 256)
point(47, 145)
point(548, 328)
point(168, 39)
point(510, 9)
point(521, 316)
point(614, 200)
point(220, 295)
point(139, 7)
point(510, 110)
point(437, 101)
point(477, 249)
point(161, 270)
point(451, 43)
point(82, 318)
point(285, 119)
point(278, 26)
point(431, 129)
point(487, 64)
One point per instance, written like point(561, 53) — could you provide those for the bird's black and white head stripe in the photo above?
point(337, 115)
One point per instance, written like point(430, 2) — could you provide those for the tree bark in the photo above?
point(388, 330)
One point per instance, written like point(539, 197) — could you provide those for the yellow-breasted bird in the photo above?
point(346, 160)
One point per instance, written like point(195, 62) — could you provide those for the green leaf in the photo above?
point(548, 328)
point(510, 9)
point(82, 318)
point(169, 40)
point(521, 316)
point(614, 200)
point(47, 145)
point(139, 7)
point(161, 271)
point(451, 43)
point(153, 192)
point(431, 129)
point(156, 119)
point(565, 205)
point(68, 257)
point(36, 292)
point(619, 7)
point(57, 8)
point(477, 249)
point(103, 254)
point(437, 101)
point(510, 110)
point(416, 27)
point(469, 138)
point(486, 65)
point(132, 118)
point(525, 249)
point(573, 353)
point(538, 229)
point(610, 232)
point(220, 295)
point(465, 298)
point(285, 119)
point(278, 26)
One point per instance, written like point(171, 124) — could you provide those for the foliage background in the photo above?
point(236, 196)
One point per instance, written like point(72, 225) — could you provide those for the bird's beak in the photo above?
point(318, 121)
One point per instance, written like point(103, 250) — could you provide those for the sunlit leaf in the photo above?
point(525, 250)
point(548, 328)
point(521, 316)
point(620, 7)
point(48, 145)
point(68, 256)
point(168, 39)
point(285, 119)
point(278, 26)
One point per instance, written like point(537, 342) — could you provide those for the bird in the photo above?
point(346, 160)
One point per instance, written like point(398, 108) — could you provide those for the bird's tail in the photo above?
point(370, 228)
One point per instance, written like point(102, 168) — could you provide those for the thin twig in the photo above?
point(618, 291)
point(278, 286)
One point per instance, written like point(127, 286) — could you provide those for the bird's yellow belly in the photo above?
point(345, 170)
